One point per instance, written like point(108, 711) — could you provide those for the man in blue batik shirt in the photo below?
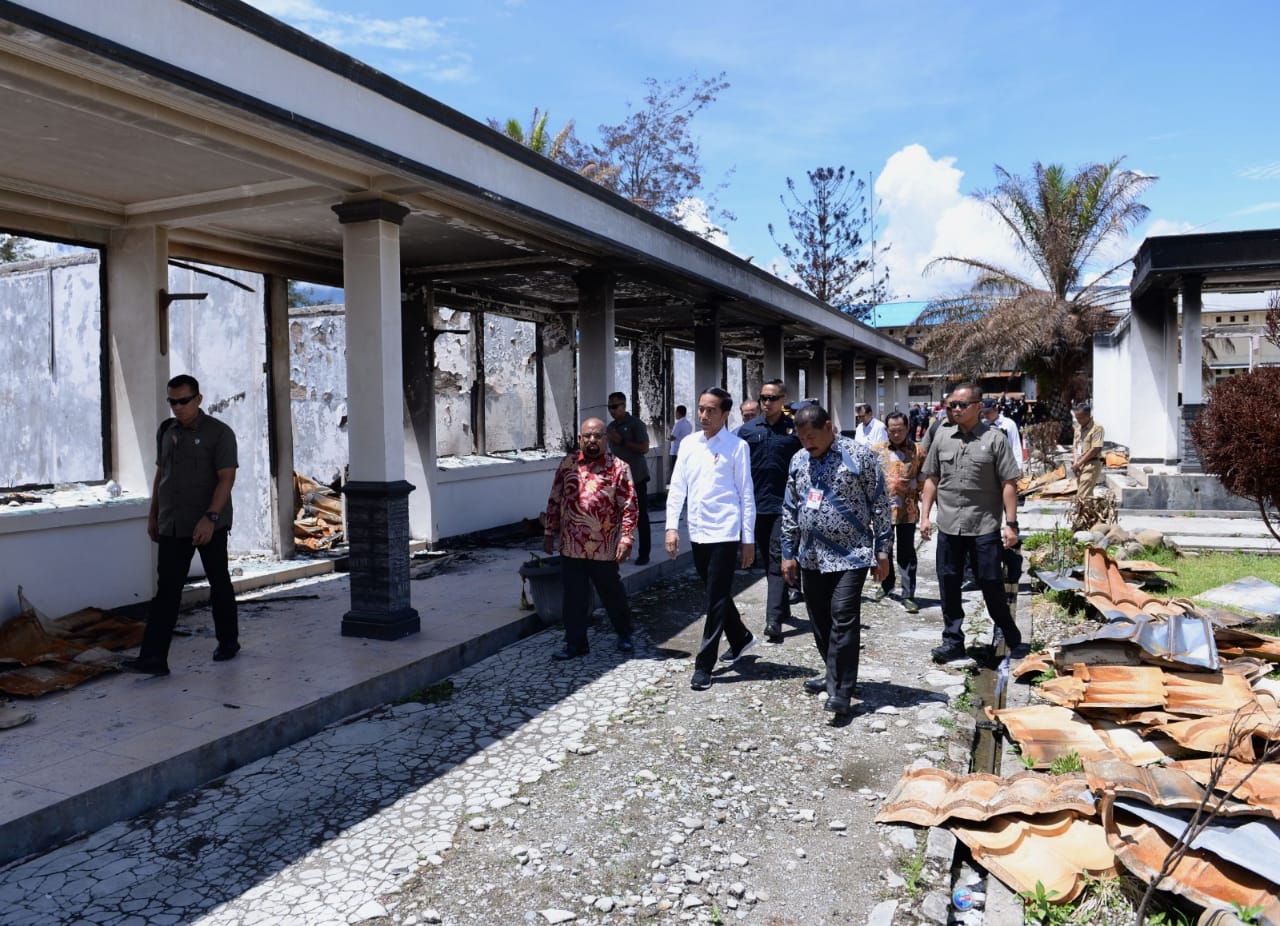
point(836, 523)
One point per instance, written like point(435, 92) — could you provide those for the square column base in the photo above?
point(378, 540)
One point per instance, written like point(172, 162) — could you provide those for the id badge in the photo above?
point(814, 500)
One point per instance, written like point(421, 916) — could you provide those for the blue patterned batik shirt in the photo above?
point(835, 512)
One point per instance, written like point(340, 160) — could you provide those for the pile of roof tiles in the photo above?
point(1177, 728)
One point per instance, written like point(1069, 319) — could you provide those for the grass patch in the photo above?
point(912, 870)
point(432, 694)
point(1198, 574)
point(1062, 536)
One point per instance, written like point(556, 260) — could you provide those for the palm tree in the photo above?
point(1042, 324)
point(536, 137)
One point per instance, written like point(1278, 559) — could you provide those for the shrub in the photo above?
point(1238, 437)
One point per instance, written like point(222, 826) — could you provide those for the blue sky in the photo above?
point(927, 95)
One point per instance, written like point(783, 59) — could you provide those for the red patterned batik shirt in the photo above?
point(592, 506)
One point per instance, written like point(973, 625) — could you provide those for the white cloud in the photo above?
point(350, 31)
point(691, 214)
point(928, 217)
point(1269, 171)
point(1259, 207)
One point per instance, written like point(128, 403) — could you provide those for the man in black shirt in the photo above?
point(772, 440)
point(190, 510)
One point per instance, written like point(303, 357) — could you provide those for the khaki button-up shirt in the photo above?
point(971, 470)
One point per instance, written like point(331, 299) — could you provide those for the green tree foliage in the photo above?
point(536, 137)
point(830, 255)
point(1042, 324)
point(652, 157)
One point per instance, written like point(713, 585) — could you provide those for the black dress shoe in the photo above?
point(225, 652)
point(838, 706)
point(944, 654)
point(145, 666)
point(815, 685)
point(566, 653)
point(642, 561)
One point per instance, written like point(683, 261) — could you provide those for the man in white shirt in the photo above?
point(679, 431)
point(713, 476)
point(870, 429)
point(994, 418)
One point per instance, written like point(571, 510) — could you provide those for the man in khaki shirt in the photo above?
point(971, 475)
point(1086, 450)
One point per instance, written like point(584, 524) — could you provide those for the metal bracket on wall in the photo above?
point(162, 307)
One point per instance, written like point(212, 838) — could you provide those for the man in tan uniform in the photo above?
point(1086, 450)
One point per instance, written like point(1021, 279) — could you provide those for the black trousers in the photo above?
point(575, 574)
point(716, 564)
point(174, 563)
point(904, 546)
point(644, 540)
point(1012, 561)
point(987, 554)
point(834, 602)
point(769, 556)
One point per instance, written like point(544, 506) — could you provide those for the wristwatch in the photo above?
point(1013, 524)
point(212, 516)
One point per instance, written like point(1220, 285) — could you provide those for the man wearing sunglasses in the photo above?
point(190, 510)
point(971, 474)
point(771, 438)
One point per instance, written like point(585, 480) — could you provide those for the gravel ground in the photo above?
point(743, 802)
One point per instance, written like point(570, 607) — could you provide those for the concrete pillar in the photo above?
point(418, 350)
point(559, 376)
point(1192, 380)
point(651, 377)
point(871, 384)
point(595, 344)
point(137, 270)
point(377, 497)
point(816, 375)
point(708, 359)
point(774, 356)
point(902, 395)
point(280, 416)
point(1153, 380)
point(791, 379)
point(1192, 341)
point(846, 419)
point(753, 374)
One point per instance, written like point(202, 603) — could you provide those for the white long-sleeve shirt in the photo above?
point(714, 477)
point(1010, 428)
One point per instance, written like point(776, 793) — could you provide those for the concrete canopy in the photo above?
point(1225, 262)
point(237, 134)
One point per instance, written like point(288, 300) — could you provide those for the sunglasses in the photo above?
point(182, 401)
point(618, 405)
point(956, 406)
point(769, 398)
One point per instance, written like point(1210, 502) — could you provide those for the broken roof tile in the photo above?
point(1056, 851)
point(1198, 876)
point(1046, 731)
point(1253, 843)
point(1132, 747)
point(927, 796)
point(1169, 788)
point(1261, 787)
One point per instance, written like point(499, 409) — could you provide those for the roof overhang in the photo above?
point(241, 146)
point(1225, 262)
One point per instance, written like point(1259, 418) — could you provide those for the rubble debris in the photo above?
point(1260, 787)
point(39, 655)
point(318, 522)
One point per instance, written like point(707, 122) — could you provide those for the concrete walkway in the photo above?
point(121, 744)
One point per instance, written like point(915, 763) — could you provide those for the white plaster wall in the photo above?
point(222, 342)
point(622, 361)
point(1111, 399)
point(51, 428)
point(684, 391)
point(318, 390)
point(454, 379)
point(734, 384)
point(490, 495)
point(73, 558)
point(510, 384)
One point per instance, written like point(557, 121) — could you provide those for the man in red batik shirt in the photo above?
point(593, 511)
